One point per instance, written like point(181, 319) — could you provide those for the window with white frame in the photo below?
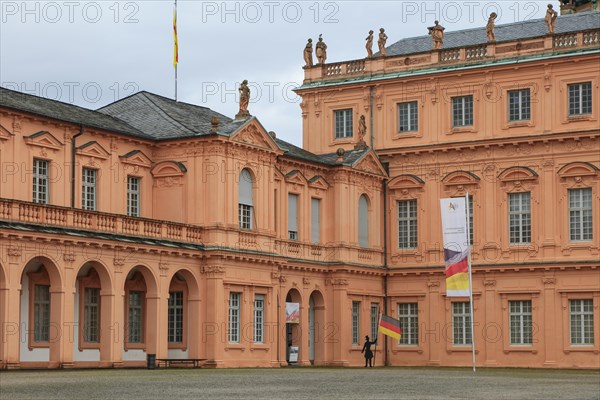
point(521, 322)
point(519, 217)
point(461, 323)
point(407, 224)
point(91, 315)
point(292, 216)
point(175, 319)
point(408, 315)
point(40, 181)
point(245, 205)
point(580, 215)
point(41, 313)
point(133, 196)
point(234, 317)
point(519, 105)
point(135, 332)
point(374, 320)
point(580, 98)
point(355, 322)
point(315, 220)
point(363, 221)
point(259, 318)
point(408, 117)
point(462, 111)
point(343, 123)
point(582, 321)
point(88, 189)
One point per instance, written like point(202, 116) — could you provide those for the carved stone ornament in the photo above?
point(213, 269)
point(14, 251)
point(549, 281)
point(118, 261)
point(306, 281)
point(69, 257)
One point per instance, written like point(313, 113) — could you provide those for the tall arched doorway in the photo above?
point(183, 309)
point(293, 329)
point(316, 326)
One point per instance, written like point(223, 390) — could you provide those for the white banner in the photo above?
point(456, 246)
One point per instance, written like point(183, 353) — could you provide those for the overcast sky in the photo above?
point(91, 53)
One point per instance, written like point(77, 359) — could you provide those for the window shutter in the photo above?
point(245, 196)
point(363, 221)
point(293, 212)
point(315, 218)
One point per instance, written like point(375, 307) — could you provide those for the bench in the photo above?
point(167, 362)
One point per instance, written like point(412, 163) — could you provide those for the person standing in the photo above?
point(368, 352)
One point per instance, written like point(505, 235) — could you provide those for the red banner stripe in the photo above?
point(389, 326)
point(461, 266)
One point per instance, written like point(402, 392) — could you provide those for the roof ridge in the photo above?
point(165, 115)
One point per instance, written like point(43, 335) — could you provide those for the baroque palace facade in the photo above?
point(151, 226)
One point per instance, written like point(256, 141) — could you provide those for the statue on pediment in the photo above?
point(551, 16)
point(308, 54)
point(490, 27)
point(244, 100)
point(369, 45)
point(437, 34)
point(321, 51)
point(381, 42)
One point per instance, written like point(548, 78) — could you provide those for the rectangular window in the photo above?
point(461, 323)
point(91, 315)
point(135, 322)
point(580, 98)
point(343, 123)
point(409, 323)
point(580, 214)
point(521, 324)
point(462, 111)
point(41, 313)
point(315, 220)
point(259, 318)
point(234, 317)
point(355, 322)
point(582, 321)
point(374, 320)
point(133, 196)
point(292, 216)
point(519, 105)
point(408, 117)
point(175, 317)
point(407, 224)
point(245, 213)
point(519, 214)
point(88, 187)
point(40, 181)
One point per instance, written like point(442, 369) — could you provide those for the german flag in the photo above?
point(390, 326)
point(176, 42)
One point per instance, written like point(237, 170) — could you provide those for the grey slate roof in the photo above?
point(65, 112)
point(350, 157)
point(164, 118)
point(507, 32)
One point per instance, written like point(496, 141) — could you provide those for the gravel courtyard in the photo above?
point(302, 383)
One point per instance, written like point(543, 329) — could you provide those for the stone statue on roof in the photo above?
point(362, 132)
point(381, 42)
point(551, 15)
point(489, 28)
point(244, 100)
point(321, 51)
point(369, 45)
point(308, 51)
point(437, 33)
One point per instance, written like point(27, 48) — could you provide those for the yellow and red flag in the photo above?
point(390, 327)
point(176, 48)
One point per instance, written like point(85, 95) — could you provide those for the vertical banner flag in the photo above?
point(390, 327)
point(292, 313)
point(456, 246)
point(176, 48)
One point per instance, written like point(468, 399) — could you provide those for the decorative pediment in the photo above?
point(136, 157)
point(43, 139)
point(460, 178)
point(318, 182)
point(4, 133)
point(255, 135)
point(370, 163)
point(278, 175)
point(406, 181)
point(514, 174)
point(578, 169)
point(165, 169)
point(296, 177)
point(93, 149)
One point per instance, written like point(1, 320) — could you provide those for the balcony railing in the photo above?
point(42, 214)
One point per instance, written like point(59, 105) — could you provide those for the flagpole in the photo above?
point(176, 44)
point(377, 336)
point(470, 280)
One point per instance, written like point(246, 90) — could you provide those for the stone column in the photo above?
point(491, 344)
point(117, 329)
point(341, 342)
point(11, 332)
point(67, 327)
point(433, 334)
point(551, 340)
point(214, 328)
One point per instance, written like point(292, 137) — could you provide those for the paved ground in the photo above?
point(302, 383)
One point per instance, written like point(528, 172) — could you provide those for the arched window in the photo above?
point(245, 200)
point(363, 221)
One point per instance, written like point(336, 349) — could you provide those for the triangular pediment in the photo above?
point(93, 149)
point(295, 176)
point(255, 135)
point(370, 163)
point(4, 133)
point(168, 168)
point(318, 182)
point(136, 157)
point(278, 175)
point(43, 139)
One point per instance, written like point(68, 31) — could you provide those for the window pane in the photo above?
point(234, 317)
point(408, 117)
point(409, 323)
point(91, 315)
point(407, 224)
point(355, 322)
point(88, 195)
point(133, 196)
point(580, 214)
point(41, 313)
point(519, 217)
point(259, 320)
point(175, 322)
point(135, 326)
point(343, 123)
point(40, 181)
